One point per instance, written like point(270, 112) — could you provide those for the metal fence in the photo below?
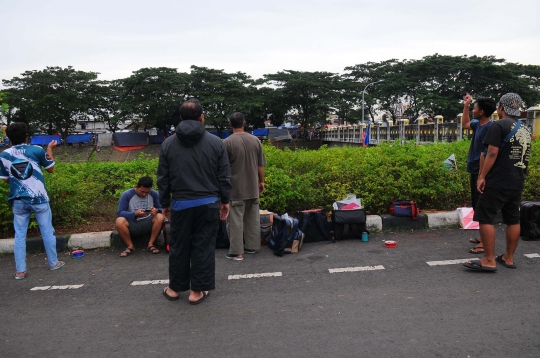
point(421, 133)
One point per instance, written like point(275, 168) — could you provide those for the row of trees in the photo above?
point(56, 98)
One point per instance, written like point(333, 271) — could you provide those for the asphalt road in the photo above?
point(407, 308)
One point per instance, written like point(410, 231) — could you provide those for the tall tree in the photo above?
point(152, 95)
point(53, 98)
point(221, 94)
point(310, 94)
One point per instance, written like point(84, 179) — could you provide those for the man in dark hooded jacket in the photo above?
point(194, 172)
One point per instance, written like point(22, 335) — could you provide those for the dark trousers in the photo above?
point(192, 263)
point(474, 191)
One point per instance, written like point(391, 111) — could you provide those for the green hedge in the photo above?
point(296, 180)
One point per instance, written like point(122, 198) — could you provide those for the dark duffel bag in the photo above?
point(529, 220)
point(314, 224)
point(349, 223)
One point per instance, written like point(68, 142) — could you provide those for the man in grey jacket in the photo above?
point(194, 172)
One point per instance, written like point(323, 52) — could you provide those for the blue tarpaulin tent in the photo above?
point(128, 139)
point(224, 134)
point(45, 139)
point(157, 139)
point(260, 132)
point(79, 138)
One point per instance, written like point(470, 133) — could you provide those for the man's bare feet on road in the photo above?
point(194, 296)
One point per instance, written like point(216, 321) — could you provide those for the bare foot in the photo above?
point(194, 296)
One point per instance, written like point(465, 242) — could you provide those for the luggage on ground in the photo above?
point(222, 240)
point(267, 221)
point(167, 235)
point(529, 220)
point(349, 223)
point(404, 208)
point(314, 224)
point(286, 238)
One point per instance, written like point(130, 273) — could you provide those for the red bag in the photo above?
point(404, 208)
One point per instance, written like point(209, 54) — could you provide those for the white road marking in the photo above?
point(355, 269)
point(256, 275)
point(532, 256)
point(65, 287)
point(151, 282)
point(449, 262)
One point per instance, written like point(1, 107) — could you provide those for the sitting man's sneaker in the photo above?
point(234, 257)
point(248, 251)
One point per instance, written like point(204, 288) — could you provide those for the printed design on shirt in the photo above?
point(519, 152)
point(21, 169)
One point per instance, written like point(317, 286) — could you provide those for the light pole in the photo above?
point(364, 92)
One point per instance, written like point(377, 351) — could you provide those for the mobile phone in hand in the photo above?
point(147, 210)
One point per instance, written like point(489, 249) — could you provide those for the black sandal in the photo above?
point(152, 249)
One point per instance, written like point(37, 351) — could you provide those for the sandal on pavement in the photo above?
point(475, 240)
point(20, 277)
point(500, 260)
point(205, 294)
point(477, 265)
point(169, 297)
point(127, 252)
point(476, 250)
point(58, 266)
point(152, 249)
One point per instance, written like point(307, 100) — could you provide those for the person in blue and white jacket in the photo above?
point(21, 168)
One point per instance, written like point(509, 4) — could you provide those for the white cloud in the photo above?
point(117, 37)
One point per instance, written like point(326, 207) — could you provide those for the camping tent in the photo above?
point(129, 139)
point(79, 138)
point(45, 139)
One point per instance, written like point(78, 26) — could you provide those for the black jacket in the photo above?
point(193, 164)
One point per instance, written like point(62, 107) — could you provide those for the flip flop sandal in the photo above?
point(477, 265)
point(200, 299)
point(127, 252)
point(500, 260)
point(153, 250)
point(475, 241)
point(56, 268)
point(169, 297)
point(18, 278)
point(476, 250)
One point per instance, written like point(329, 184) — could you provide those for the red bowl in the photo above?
point(390, 244)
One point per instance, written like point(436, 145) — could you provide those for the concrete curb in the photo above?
point(94, 240)
point(91, 240)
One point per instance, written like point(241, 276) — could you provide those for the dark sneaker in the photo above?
point(248, 251)
point(234, 257)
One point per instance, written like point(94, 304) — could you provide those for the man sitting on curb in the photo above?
point(139, 214)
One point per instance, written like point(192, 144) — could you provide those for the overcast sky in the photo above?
point(117, 37)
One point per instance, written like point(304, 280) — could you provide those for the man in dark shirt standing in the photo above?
point(501, 181)
point(194, 170)
point(482, 110)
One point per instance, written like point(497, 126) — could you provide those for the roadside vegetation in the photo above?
point(295, 180)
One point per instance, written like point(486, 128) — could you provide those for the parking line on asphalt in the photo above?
point(355, 269)
point(150, 282)
point(65, 287)
point(256, 275)
point(449, 262)
point(532, 256)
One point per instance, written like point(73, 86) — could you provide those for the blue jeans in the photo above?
point(21, 219)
